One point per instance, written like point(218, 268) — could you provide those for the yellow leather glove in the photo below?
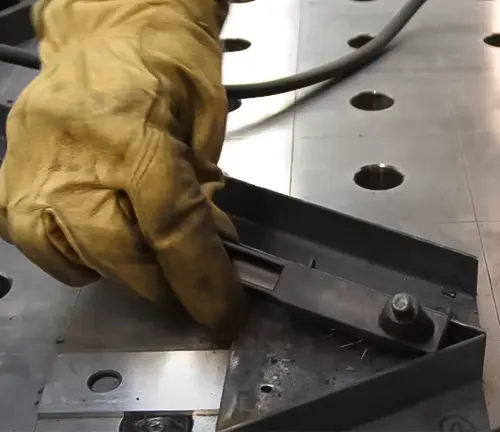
point(112, 150)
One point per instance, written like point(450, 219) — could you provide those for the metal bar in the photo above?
point(361, 310)
point(257, 269)
point(358, 309)
point(111, 384)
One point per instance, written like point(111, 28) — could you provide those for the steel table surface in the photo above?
point(443, 126)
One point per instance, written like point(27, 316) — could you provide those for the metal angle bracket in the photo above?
point(289, 259)
point(383, 394)
point(432, 339)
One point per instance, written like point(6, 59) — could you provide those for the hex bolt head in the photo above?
point(404, 306)
point(156, 426)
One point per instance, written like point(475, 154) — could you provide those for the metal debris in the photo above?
point(350, 344)
point(364, 353)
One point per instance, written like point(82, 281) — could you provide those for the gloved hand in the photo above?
point(112, 150)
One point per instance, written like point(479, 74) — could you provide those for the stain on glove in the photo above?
point(112, 153)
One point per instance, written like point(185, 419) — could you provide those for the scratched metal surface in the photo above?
point(441, 133)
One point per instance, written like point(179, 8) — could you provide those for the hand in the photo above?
point(112, 150)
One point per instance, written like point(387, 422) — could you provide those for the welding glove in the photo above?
point(111, 162)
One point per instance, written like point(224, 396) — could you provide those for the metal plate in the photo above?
point(156, 382)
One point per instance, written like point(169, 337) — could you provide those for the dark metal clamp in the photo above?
point(399, 321)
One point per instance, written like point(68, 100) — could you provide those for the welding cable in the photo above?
point(344, 65)
point(19, 57)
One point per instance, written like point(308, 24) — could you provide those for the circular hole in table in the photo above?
point(266, 388)
point(492, 40)
point(104, 381)
point(5, 285)
point(372, 101)
point(378, 177)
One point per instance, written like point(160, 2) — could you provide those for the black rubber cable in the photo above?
point(361, 57)
point(19, 57)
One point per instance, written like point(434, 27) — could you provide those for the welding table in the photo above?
point(63, 349)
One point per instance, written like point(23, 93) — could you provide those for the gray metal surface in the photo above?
point(158, 382)
point(442, 133)
point(445, 413)
point(438, 411)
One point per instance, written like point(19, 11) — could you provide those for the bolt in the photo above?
point(404, 306)
point(155, 426)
